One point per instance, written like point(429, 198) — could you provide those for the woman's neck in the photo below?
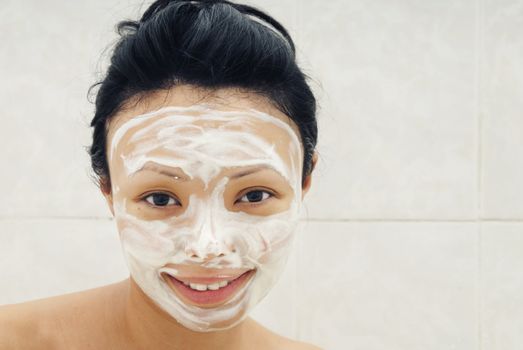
point(149, 327)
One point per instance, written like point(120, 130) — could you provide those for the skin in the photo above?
point(120, 315)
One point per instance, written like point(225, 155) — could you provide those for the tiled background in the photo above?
point(414, 237)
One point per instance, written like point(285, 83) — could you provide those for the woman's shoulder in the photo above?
point(297, 345)
point(46, 323)
point(24, 326)
point(289, 344)
point(272, 340)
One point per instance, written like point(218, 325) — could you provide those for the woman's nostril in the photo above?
point(211, 251)
point(190, 252)
point(231, 248)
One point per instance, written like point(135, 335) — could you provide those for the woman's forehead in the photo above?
point(202, 134)
point(172, 123)
point(220, 100)
point(203, 117)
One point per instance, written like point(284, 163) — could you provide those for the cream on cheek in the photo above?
point(205, 142)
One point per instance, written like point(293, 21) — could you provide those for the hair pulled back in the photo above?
point(209, 44)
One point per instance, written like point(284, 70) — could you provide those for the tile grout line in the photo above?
point(479, 288)
point(385, 220)
point(479, 37)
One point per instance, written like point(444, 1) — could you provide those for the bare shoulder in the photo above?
point(268, 339)
point(289, 344)
point(44, 323)
point(296, 345)
point(21, 327)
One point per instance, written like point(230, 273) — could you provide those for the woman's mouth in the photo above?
point(208, 292)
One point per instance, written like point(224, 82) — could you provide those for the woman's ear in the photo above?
point(308, 180)
point(105, 188)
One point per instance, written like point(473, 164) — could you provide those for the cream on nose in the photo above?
point(207, 243)
point(212, 250)
point(209, 239)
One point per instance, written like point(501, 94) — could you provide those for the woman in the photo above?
point(203, 145)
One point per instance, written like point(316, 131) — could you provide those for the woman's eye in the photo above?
point(255, 196)
point(161, 200)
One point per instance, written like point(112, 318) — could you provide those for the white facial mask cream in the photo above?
point(203, 142)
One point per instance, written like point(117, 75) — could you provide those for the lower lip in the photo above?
point(210, 298)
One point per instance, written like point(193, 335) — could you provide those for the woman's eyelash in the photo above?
point(255, 196)
point(160, 199)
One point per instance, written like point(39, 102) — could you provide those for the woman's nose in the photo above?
point(211, 250)
point(207, 243)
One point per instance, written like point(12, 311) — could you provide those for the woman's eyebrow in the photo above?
point(163, 170)
point(251, 171)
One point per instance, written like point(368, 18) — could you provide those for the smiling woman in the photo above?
point(236, 208)
point(203, 143)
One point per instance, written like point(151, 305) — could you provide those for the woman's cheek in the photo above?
point(144, 240)
point(268, 237)
point(145, 212)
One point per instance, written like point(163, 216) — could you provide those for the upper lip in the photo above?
point(202, 276)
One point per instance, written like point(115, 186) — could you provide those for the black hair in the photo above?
point(210, 44)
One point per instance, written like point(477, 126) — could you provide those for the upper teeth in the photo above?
point(202, 287)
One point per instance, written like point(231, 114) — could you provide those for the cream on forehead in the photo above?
point(202, 149)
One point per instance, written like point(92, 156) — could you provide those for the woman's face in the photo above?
point(206, 195)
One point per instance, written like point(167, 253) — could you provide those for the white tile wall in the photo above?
point(415, 232)
point(502, 285)
point(501, 110)
point(44, 257)
point(388, 285)
point(398, 128)
point(50, 54)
